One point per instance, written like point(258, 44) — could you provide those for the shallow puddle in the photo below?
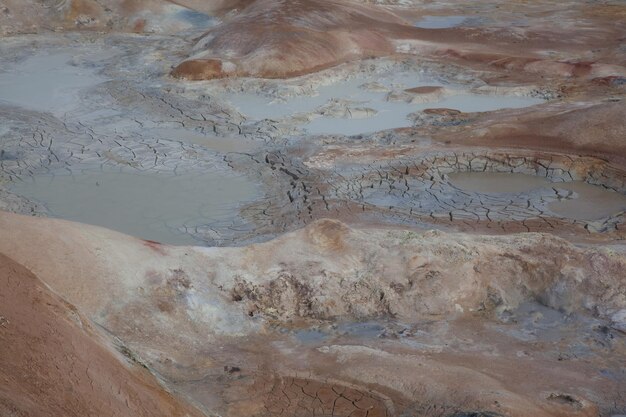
point(440, 22)
point(46, 82)
point(175, 19)
point(469, 103)
point(311, 336)
point(353, 96)
point(363, 330)
point(576, 200)
point(259, 107)
point(150, 206)
point(391, 115)
point(589, 202)
point(197, 19)
point(367, 330)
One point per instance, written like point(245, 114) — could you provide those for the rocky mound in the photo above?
point(325, 271)
point(222, 324)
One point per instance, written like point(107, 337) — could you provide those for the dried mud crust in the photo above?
point(416, 190)
point(275, 395)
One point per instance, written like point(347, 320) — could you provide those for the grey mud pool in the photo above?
point(139, 157)
point(159, 207)
point(367, 104)
point(576, 200)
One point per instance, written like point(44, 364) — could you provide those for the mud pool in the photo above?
point(159, 207)
point(194, 18)
point(390, 115)
point(364, 104)
point(175, 18)
point(573, 200)
point(282, 104)
point(46, 82)
point(587, 202)
point(154, 130)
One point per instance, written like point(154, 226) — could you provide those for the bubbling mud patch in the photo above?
point(158, 207)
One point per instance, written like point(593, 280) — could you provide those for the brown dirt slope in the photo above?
point(54, 363)
point(287, 38)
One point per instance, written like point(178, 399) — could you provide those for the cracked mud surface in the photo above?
point(426, 219)
point(137, 127)
point(413, 188)
point(285, 396)
point(178, 129)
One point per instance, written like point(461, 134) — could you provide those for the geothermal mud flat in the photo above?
point(309, 208)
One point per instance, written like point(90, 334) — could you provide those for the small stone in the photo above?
point(231, 369)
point(443, 112)
point(425, 90)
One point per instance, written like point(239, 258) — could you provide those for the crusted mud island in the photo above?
point(347, 208)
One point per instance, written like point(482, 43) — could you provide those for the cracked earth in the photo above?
point(312, 208)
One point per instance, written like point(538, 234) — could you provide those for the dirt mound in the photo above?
point(276, 39)
point(215, 322)
point(281, 39)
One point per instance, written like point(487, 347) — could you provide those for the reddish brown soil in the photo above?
point(425, 90)
point(53, 362)
point(276, 39)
